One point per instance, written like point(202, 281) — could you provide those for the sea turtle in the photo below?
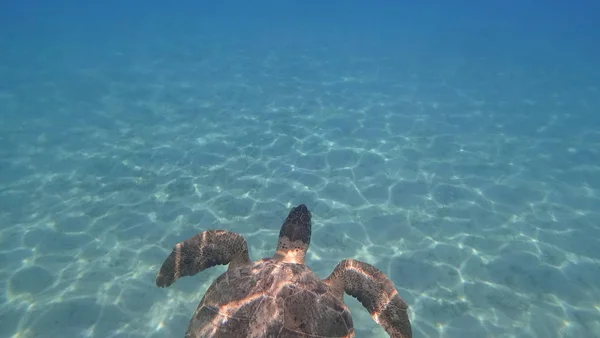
point(280, 296)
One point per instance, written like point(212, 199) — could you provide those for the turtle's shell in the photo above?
point(270, 298)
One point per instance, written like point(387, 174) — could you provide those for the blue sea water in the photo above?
point(453, 144)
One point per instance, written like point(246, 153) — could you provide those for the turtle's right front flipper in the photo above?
point(205, 250)
point(375, 291)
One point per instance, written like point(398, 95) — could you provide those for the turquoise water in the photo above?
point(456, 148)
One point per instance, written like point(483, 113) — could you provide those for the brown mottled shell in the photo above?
point(270, 298)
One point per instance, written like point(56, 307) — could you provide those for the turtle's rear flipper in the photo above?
point(205, 250)
point(375, 292)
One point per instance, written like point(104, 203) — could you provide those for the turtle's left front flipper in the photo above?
point(204, 250)
point(376, 292)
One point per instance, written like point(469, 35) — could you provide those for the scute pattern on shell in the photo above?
point(270, 298)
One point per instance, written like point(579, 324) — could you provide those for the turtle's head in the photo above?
point(294, 236)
